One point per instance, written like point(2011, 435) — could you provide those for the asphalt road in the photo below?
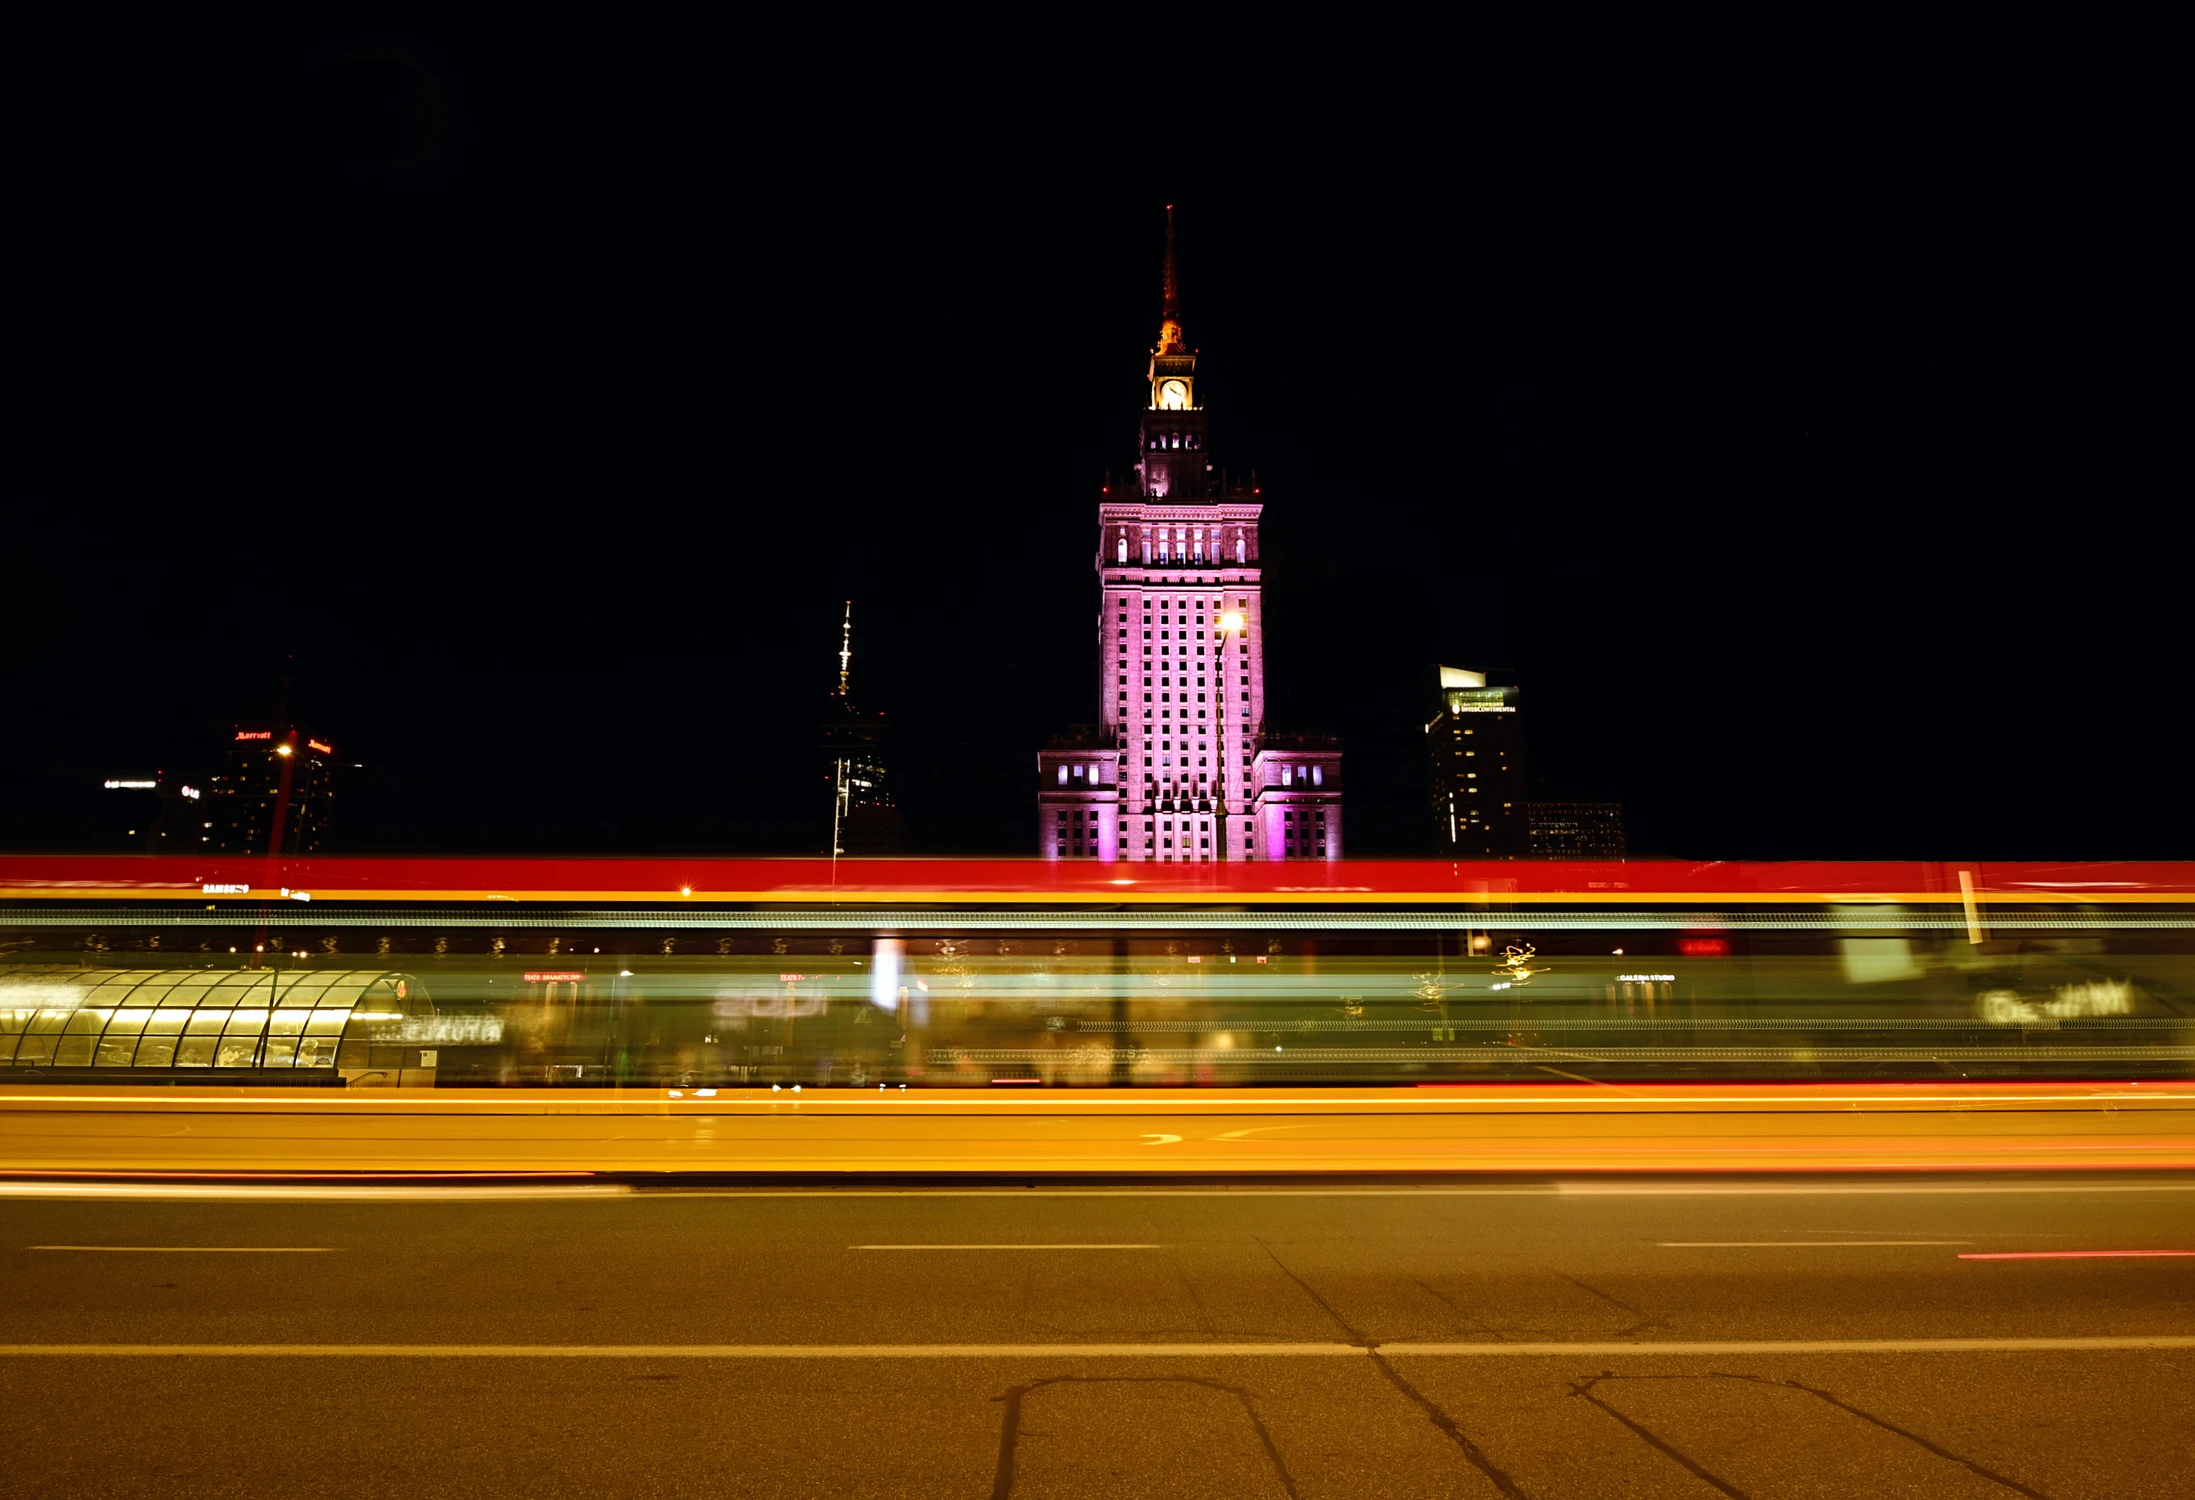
point(1364, 1340)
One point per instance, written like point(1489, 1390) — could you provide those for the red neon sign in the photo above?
point(1704, 947)
point(255, 734)
point(553, 976)
point(323, 749)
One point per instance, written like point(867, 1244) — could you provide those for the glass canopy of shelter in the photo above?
point(192, 1018)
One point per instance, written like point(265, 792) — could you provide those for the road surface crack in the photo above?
point(1009, 1434)
point(1888, 1426)
point(1586, 1390)
point(1646, 1320)
point(1665, 1449)
point(1442, 1422)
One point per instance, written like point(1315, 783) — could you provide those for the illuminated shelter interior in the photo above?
point(59, 1017)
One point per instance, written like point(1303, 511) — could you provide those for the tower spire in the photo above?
point(1169, 328)
point(845, 648)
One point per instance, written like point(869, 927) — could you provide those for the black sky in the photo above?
point(543, 396)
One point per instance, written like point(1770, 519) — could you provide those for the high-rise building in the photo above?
point(1180, 768)
point(151, 811)
point(275, 793)
point(864, 816)
point(1576, 830)
point(1476, 741)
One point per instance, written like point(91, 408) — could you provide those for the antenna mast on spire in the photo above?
point(845, 648)
point(1172, 310)
point(1170, 340)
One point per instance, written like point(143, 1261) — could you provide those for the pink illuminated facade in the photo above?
point(1179, 768)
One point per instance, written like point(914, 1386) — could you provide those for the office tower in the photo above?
point(275, 794)
point(153, 812)
point(1180, 768)
point(1576, 830)
point(864, 816)
point(1476, 742)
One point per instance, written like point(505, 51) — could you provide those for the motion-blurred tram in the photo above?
point(1034, 974)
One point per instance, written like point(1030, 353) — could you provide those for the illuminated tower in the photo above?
point(274, 795)
point(1476, 738)
point(864, 816)
point(1179, 768)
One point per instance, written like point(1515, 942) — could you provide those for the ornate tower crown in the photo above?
point(1174, 463)
point(1173, 363)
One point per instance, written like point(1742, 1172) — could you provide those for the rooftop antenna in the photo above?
point(1172, 309)
point(1169, 326)
point(839, 788)
point(845, 647)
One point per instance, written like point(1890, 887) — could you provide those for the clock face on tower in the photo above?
point(1173, 395)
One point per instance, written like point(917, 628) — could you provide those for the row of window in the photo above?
point(1184, 552)
point(1167, 713)
point(1180, 608)
point(1122, 685)
point(1152, 784)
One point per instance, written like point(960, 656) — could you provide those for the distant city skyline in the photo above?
point(556, 584)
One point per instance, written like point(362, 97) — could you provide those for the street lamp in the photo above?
point(1230, 627)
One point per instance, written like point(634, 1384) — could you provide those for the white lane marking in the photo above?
point(1791, 1244)
point(1006, 1247)
point(183, 1191)
point(1849, 1189)
point(1089, 1351)
point(198, 1249)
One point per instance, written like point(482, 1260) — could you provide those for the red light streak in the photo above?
point(2075, 1254)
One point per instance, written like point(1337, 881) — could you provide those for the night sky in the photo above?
point(539, 400)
